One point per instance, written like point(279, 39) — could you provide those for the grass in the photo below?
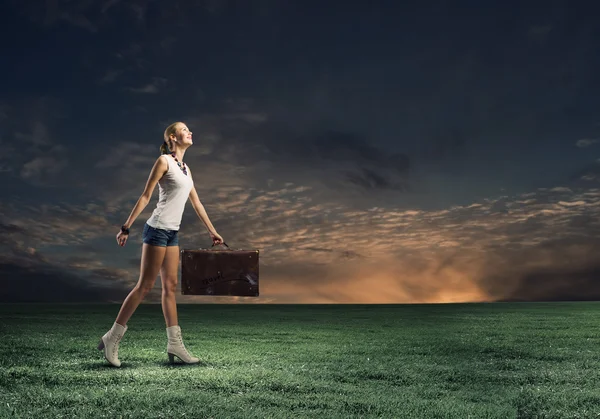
point(521, 360)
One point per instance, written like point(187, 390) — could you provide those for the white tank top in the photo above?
point(174, 189)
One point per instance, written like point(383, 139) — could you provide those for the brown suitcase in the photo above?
point(223, 272)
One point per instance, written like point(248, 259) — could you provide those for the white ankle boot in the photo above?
point(110, 343)
point(175, 347)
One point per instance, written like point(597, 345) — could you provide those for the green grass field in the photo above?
point(538, 360)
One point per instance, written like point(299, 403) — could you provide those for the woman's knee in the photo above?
point(169, 286)
point(143, 289)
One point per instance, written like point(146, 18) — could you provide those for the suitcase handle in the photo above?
point(224, 244)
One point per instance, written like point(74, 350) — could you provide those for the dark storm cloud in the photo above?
point(7, 229)
point(370, 179)
point(588, 176)
point(555, 270)
point(343, 146)
point(558, 284)
point(10, 232)
point(59, 224)
point(20, 284)
point(28, 276)
point(349, 155)
point(375, 169)
point(65, 278)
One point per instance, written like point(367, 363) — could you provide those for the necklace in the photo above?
point(182, 167)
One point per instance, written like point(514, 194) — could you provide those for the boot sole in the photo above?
point(172, 359)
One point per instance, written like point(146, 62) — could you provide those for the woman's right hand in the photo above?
point(122, 238)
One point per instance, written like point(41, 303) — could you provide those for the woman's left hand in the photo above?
point(216, 238)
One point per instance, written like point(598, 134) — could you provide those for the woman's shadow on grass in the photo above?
point(105, 366)
point(180, 364)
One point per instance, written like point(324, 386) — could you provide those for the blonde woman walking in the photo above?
point(160, 248)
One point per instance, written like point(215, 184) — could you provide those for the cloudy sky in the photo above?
point(373, 152)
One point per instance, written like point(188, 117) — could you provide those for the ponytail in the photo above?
point(164, 148)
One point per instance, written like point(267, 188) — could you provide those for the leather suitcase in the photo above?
point(219, 272)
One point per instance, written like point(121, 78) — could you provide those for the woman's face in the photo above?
point(183, 135)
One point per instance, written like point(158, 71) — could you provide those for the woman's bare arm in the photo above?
point(200, 210)
point(159, 169)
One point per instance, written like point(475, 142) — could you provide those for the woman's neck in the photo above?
point(179, 154)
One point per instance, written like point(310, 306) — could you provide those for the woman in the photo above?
point(160, 248)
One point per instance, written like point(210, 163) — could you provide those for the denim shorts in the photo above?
point(159, 237)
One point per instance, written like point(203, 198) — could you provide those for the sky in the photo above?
point(373, 152)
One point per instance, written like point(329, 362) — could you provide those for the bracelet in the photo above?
point(124, 229)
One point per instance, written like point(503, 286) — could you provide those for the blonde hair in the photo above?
point(167, 145)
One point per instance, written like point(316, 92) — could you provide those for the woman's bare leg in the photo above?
point(152, 259)
point(168, 276)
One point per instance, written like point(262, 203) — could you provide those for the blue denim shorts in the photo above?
point(159, 237)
